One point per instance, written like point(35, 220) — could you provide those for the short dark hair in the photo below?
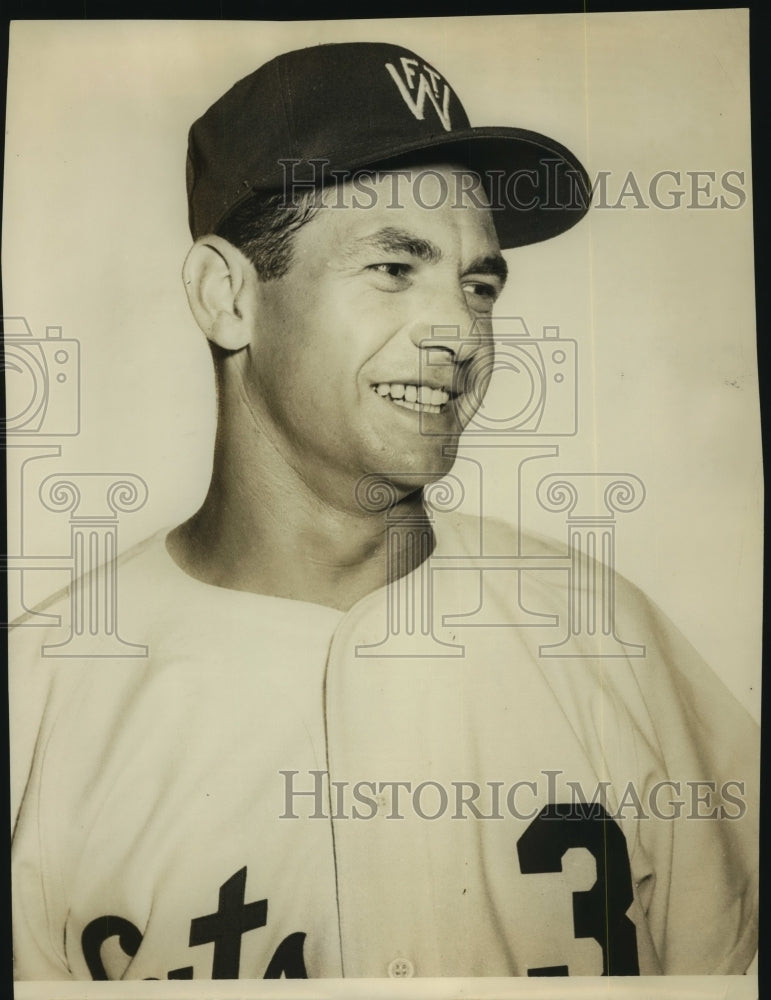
point(262, 227)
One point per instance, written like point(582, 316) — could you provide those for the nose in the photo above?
point(448, 329)
point(455, 344)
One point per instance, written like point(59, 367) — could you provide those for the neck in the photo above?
point(262, 528)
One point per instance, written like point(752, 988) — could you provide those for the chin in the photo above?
point(413, 472)
point(400, 471)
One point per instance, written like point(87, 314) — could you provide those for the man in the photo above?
point(269, 792)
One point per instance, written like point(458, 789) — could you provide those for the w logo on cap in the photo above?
point(418, 83)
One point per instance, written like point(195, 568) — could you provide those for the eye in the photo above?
point(391, 276)
point(391, 269)
point(483, 293)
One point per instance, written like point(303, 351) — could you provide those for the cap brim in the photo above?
point(537, 188)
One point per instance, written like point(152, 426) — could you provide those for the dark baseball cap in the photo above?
point(310, 113)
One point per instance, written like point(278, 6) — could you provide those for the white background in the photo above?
point(660, 302)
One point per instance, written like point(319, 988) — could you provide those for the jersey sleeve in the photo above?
point(710, 750)
point(32, 695)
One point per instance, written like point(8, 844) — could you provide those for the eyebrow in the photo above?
point(390, 239)
point(493, 264)
point(393, 240)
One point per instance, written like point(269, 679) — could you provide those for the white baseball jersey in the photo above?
point(281, 789)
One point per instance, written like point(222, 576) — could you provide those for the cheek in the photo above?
point(317, 340)
point(302, 373)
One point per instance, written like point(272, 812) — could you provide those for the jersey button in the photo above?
point(401, 968)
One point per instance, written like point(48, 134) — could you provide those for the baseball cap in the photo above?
point(307, 114)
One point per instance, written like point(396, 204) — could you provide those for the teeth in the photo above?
point(423, 407)
point(413, 397)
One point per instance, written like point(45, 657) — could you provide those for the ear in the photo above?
point(220, 284)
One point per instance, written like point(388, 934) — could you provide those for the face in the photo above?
point(371, 354)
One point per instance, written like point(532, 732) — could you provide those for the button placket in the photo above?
point(401, 968)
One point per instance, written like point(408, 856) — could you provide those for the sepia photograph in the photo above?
point(384, 492)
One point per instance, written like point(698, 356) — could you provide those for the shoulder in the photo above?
point(56, 648)
point(652, 660)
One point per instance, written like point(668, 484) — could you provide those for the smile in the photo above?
point(412, 396)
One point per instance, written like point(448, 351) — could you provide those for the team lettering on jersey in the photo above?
point(224, 928)
point(599, 913)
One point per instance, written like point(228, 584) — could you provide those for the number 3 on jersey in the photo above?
point(600, 912)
